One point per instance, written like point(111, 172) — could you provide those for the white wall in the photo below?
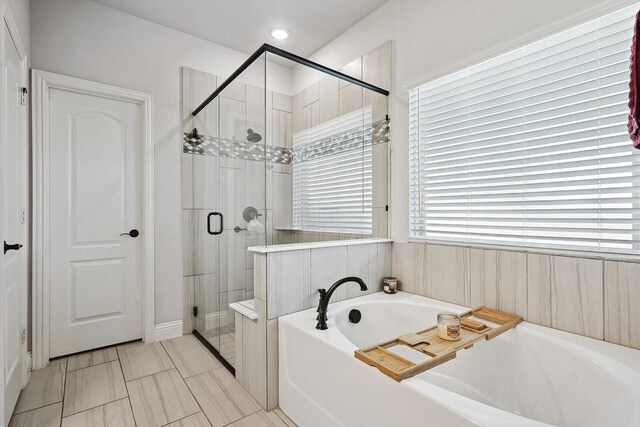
point(84, 39)
point(435, 37)
point(20, 11)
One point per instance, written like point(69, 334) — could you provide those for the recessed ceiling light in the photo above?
point(279, 33)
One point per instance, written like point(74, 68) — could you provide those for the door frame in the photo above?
point(42, 82)
point(10, 23)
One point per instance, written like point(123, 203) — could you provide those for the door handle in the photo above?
point(133, 233)
point(14, 247)
point(209, 223)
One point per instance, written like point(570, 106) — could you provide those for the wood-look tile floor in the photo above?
point(175, 383)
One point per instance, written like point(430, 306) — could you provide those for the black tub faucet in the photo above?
point(325, 296)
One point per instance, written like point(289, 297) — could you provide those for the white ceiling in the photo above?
point(245, 24)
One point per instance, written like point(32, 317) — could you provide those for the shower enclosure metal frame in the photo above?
point(293, 57)
point(266, 48)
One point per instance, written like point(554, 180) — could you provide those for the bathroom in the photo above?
point(303, 213)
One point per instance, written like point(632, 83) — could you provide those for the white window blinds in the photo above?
point(531, 148)
point(332, 175)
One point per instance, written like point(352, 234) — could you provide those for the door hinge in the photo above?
point(23, 97)
point(195, 311)
point(23, 336)
point(386, 208)
point(23, 216)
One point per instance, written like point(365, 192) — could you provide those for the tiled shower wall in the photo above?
point(593, 297)
point(221, 158)
point(330, 98)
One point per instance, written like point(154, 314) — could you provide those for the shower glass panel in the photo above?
point(232, 167)
point(283, 151)
point(331, 182)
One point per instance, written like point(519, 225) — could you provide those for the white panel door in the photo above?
point(12, 230)
point(95, 195)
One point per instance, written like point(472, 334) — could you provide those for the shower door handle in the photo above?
point(209, 223)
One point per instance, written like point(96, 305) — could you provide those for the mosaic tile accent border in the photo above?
point(221, 147)
point(381, 132)
point(331, 145)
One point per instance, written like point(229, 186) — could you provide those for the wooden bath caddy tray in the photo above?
point(427, 342)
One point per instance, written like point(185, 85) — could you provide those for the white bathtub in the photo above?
point(529, 376)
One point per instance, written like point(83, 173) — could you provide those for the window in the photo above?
point(332, 175)
point(531, 148)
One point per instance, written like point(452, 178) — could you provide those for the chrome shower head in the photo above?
point(253, 136)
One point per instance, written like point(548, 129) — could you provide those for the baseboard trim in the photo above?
point(168, 330)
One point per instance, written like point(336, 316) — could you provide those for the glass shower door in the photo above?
point(236, 221)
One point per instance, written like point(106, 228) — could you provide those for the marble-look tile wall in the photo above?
point(286, 282)
point(226, 184)
point(591, 297)
point(330, 98)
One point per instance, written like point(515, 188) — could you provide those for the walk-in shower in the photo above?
point(283, 151)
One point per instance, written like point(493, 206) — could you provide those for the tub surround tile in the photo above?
point(142, 360)
point(574, 289)
point(44, 388)
point(197, 420)
point(189, 356)
point(499, 279)
point(114, 414)
point(408, 265)
point(447, 273)
point(327, 266)
point(288, 282)
point(622, 302)
point(47, 416)
point(383, 263)
point(161, 399)
point(362, 262)
point(94, 386)
point(221, 398)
